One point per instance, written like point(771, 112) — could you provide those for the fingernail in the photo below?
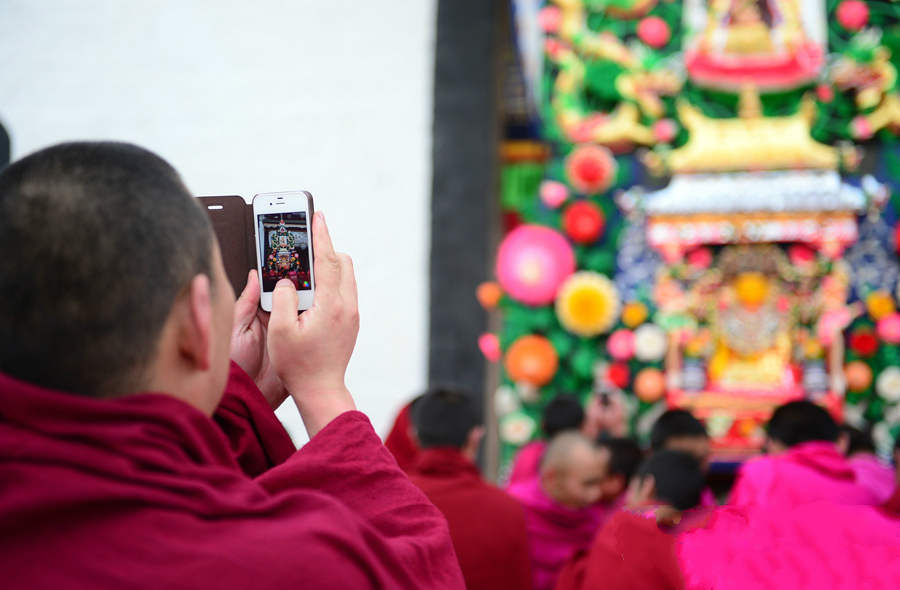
point(321, 215)
point(284, 283)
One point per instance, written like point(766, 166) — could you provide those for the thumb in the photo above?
point(284, 305)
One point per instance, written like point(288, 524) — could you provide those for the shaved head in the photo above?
point(573, 468)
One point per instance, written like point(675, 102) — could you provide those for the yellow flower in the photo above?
point(634, 313)
point(587, 304)
point(880, 304)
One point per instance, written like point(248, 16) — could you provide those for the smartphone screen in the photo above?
point(284, 246)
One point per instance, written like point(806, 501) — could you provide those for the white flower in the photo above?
point(517, 428)
point(650, 343)
point(888, 384)
point(506, 401)
point(718, 424)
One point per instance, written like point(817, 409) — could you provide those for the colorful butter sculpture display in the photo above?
point(723, 172)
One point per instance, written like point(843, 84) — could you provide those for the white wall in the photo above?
point(330, 96)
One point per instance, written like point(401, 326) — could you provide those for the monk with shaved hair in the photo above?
point(139, 447)
point(561, 511)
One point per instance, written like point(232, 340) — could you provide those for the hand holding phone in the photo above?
point(284, 245)
point(310, 351)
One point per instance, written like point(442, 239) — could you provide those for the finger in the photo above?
point(284, 306)
point(327, 266)
point(246, 305)
point(348, 276)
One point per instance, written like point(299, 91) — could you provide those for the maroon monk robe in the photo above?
point(143, 492)
point(629, 553)
point(486, 525)
point(398, 441)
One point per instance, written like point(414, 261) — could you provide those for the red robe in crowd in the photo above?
point(820, 545)
point(404, 450)
point(143, 492)
point(805, 473)
point(486, 525)
point(629, 553)
point(555, 532)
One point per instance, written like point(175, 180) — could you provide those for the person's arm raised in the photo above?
point(310, 351)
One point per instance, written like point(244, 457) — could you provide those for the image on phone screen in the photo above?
point(284, 244)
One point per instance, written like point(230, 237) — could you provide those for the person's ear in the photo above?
point(475, 437)
point(617, 484)
point(195, 331)
point(843, 443)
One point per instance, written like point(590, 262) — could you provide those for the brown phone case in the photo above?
point(232, 220)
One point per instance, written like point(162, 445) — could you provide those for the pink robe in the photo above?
point(874, 475)
point(526, 465)
point(806, 473)
point(819, 545)
point(555, 532)
point(144, 491)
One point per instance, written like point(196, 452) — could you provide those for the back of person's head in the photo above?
point(445, 416)
point(855, 440)
point(678, 479)
point(97, 240)
point(564, 412)
point(625, 456)
point(801, 421)
point(675, 424)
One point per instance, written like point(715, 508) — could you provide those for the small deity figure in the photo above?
point(749, 28)
point(753, 335)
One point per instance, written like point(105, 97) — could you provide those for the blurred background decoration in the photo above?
point(724, 176)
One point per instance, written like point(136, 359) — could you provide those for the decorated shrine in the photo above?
point(705, 218)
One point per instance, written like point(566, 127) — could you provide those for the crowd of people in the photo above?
point(139, 447)
point(597, 512)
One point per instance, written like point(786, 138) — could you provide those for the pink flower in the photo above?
point(888, 328)
point(825, 93)
point(553, 193)
point(853, 15)
point(490, 347)
point(860, 128)
point(549, 19)
point(801, 255)
point(591, 168)
point(532, 263)
point(654, 31)
point(665, 130)
point(621, 345)
point(700, 258)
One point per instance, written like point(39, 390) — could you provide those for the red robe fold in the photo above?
point(143, 492)
point(398, 441)
point(629, 553)
point(486, 525)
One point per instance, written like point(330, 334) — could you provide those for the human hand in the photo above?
point(248, 343)
point(310, 351)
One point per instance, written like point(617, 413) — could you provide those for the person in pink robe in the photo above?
point(564, 412)
point(561, 510)
point(803, 464)
point(871, 472)
point(114, 473)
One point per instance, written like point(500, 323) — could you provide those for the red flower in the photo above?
point(619, 375)
point(591, 168)
point(583, 222)
point(863, 343)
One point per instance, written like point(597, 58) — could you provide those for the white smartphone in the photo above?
point(284, 244)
